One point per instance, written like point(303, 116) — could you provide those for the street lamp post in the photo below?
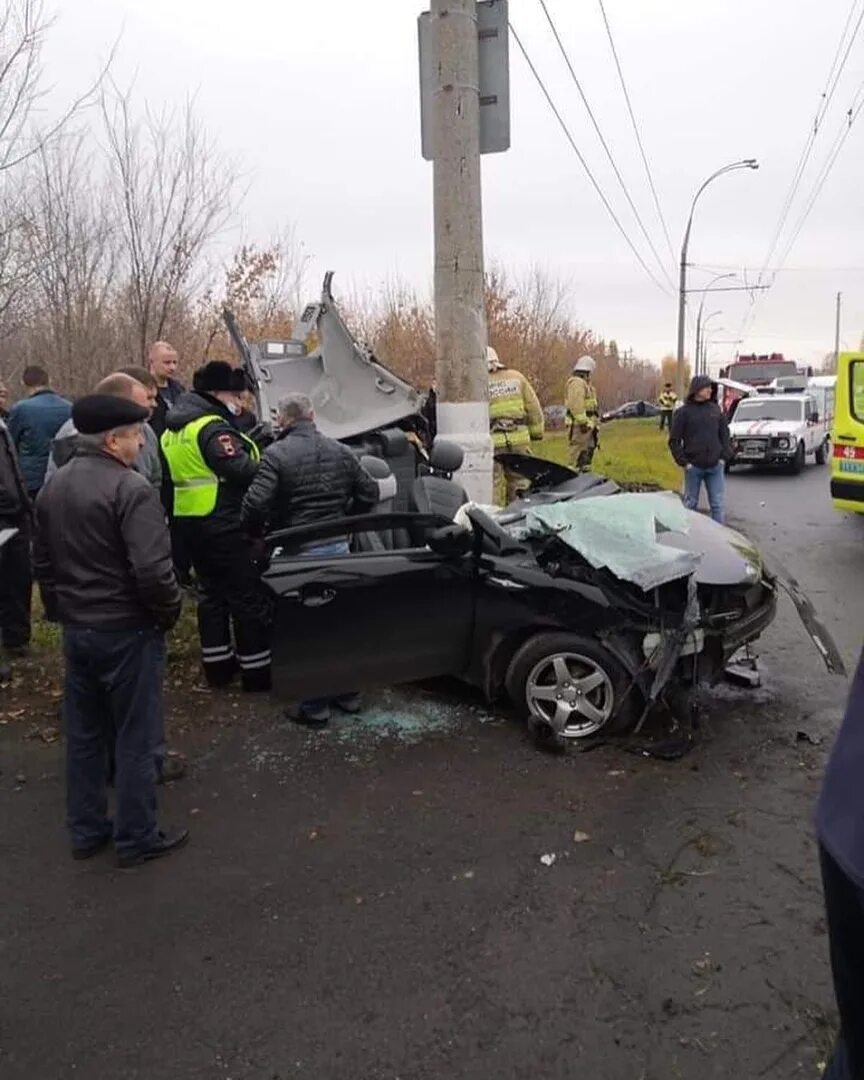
point(705, 291)
point(747, 163)
point(702, 361)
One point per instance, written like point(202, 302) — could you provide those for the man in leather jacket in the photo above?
point(305, 477)
point(108, 579)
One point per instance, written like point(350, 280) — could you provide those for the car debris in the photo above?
point(549, 860)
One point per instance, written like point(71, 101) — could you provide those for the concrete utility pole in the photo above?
point(837, 330)
point(460, 320)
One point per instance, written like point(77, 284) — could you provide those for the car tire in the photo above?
point(550, 661)
point(799, 461)
point(822, 453)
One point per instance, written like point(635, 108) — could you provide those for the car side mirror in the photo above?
point(814, 418)
point(450, 541)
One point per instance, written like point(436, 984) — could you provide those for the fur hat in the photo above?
point(217, 375)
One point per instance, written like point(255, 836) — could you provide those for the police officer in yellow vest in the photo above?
point(212, 465)
point(667, 401)
point(583, 414)
point(515, 421)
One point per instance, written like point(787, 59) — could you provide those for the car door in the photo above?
point(345, 622)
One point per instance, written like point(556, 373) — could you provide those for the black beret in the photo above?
point(96, 413)
point(217, 375)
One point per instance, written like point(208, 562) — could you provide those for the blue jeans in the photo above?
point(715, 484)
point(113, 690)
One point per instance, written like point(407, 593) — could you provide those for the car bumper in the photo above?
point(772, 457)
point(741, 631)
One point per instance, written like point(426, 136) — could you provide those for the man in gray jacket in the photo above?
point(138, 385)
point(110, 583)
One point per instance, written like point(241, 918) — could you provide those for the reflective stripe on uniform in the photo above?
point(213, 653)
point(259, 660)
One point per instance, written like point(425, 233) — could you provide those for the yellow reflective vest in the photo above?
point(196, 486)
point(668, 399)
point(515, 413)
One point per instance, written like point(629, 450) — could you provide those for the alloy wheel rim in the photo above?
point(571, 693)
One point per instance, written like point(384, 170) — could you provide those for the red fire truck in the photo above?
point(754, 371)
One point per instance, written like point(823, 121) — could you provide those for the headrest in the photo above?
point(377, 467)
point(394, 442)
point(446, 456)
point(380, 471)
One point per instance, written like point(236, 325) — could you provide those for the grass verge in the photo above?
point(631, 452)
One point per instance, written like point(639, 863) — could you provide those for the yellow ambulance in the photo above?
point(847, 459)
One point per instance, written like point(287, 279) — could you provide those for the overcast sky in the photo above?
point(319, 103)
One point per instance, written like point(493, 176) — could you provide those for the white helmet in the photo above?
point(492, 361)
point(586, 364)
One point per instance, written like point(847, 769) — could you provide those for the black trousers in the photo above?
point(844, 907)
point(234, 608)
point(665, 419)
point(16, 586)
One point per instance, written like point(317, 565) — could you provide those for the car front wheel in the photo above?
point(570, 687)
point(799, 461)
point(822, 453)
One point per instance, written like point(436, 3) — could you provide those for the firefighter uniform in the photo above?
point(515, 421)
point(211, 465)
point(583, 415)
point(667, 401)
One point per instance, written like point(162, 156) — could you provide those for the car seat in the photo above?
point(381, 472)
point(436, 492)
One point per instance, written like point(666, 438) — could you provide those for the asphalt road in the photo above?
point(370, 903)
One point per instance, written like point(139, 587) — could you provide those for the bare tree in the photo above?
point(24, 26)
point(72, 242)
point(173, 193)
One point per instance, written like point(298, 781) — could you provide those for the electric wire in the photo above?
point(563, 124)
point(663, 267)
point(636, 131)
point(835, 72)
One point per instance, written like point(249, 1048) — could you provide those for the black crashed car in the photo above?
point(574, 648)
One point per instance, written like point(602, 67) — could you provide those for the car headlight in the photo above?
point(783, 444)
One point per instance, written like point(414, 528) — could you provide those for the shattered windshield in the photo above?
point(770, 409)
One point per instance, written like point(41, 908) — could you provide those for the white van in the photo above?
point(783, 429)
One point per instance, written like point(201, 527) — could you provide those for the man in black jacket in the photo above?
point(700, 443)
point(15, 575)
point(103, 558)
point(211, 465)
point(305, 477)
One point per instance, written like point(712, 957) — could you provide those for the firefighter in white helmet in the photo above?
point(583, 414)
point(515, 421)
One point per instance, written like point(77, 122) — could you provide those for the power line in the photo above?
point(605, 145)
point(583, 162)
point(827, 97)
point(635, 124)
point(831, 83)
point(851, 116)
